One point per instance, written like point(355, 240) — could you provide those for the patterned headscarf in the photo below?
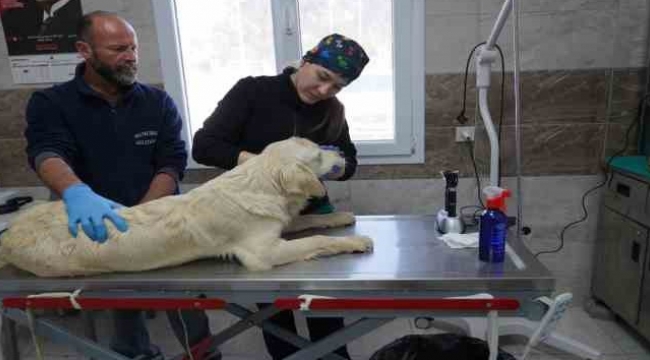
point(340, 55)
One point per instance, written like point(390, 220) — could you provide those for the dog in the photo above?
point(242, 213)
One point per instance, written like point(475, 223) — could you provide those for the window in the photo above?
point(206, 46)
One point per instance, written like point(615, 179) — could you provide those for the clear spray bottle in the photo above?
point(493, 225)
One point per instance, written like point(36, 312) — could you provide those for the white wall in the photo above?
point(570, 34)
point(564, 34)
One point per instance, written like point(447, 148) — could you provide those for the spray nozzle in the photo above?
point(496, 197)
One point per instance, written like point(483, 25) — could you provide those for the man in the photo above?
point(103, 140)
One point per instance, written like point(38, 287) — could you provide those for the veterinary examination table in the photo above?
point(410, 273)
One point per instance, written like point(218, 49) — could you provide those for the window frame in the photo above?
point(408, 40)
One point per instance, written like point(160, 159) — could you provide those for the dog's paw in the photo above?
point(320, 221)
point(252, 262)
point(342, 218)
point(361, 243)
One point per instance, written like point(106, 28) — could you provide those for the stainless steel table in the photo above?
point(408, 261)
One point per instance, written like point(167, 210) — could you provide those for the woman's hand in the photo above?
point(337, 171)
point(244, 156)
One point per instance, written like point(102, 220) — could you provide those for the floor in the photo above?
point(615, 340)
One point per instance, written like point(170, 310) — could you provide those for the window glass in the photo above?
point(369, 101)
point(222, 42)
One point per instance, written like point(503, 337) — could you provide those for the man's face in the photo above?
point(315, 83)
point(113, 51)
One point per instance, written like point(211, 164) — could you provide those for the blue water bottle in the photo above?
point(493, 226)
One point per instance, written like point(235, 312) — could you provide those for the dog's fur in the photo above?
point(241, 213)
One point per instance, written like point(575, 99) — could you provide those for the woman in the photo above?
point(298, 102)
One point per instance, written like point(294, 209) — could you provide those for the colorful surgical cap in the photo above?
point(340, 55)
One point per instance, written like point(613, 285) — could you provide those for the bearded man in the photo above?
point(103, 140)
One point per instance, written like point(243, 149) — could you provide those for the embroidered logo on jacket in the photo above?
point(146, 137)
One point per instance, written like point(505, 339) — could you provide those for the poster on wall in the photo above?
point(40, 37)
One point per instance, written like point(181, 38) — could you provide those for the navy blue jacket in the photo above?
point(116, 150)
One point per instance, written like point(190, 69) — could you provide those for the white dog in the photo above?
point(241, 213)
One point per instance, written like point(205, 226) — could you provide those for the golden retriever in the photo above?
point(240, 213)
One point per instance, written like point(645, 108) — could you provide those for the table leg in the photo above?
point(8, 339)
point(88, 318)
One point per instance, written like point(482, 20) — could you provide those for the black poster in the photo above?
point(38, 27)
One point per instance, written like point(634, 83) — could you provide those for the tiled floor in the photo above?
point(615, 340)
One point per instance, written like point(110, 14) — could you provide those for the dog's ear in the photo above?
point(299, 179)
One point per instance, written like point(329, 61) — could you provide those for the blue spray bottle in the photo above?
point(493, 225)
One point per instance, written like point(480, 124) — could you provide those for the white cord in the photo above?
point(32, 329)
point(188, 350)
point(31, 320)
point(71, 296)
point(305, 304)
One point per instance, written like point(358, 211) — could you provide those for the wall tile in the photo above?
point(547, 149)
point(339, 194)
point(594, 36)
point(394, 171)
point(444, 153)
point(631, 41)
point(551, 202)
point(441, 7)
point(548, 41)
point(634, 4)
point(149, 68)
point(444, 98)
point(553, 97)
point(449, 39)
point(544, 41)
point(139, 12)
point(13, 102)
point(11, 127)
point(397, 196)
point(560, 98)
point(105, 5)
point(619, 142)
point(493, 6)
point(13, 164)
point(627, 90)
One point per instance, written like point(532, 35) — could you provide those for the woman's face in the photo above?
point(315, 83)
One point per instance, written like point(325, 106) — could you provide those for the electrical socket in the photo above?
point(465, 133)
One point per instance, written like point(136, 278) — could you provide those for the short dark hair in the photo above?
point(85, 23)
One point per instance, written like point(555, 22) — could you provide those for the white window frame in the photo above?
point(408, 28)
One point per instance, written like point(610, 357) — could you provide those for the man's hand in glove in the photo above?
point(88, 208)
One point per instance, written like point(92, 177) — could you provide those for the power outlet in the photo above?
point(465, 133)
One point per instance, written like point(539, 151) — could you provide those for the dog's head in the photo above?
point(302, 163)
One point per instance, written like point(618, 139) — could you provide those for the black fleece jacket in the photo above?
point(258, 111)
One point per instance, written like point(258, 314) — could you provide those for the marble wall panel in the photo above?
point(565, 117)
point(14, 170)
point(627, 89)
point(13, 102)
point(444, 99)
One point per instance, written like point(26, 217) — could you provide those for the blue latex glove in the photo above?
point(86, 207)
point(335, 169)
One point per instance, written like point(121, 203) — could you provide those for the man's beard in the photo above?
point(123, 75)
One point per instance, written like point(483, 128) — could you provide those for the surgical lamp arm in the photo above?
point(486, 55)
